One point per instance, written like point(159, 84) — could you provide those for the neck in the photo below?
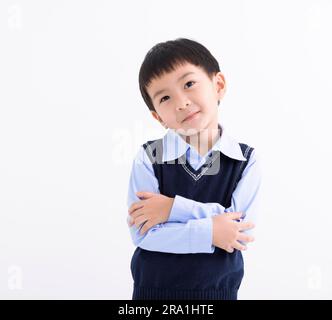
point(204, 140)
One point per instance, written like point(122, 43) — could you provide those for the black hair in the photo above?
point(166, 56)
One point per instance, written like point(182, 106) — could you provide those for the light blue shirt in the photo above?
point(189, 227)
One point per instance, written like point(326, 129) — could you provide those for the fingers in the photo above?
point(137, 213)
point(237, 245)
point(130, 221)
point(230, 250)
point(145, 194)
point(146, 226)
point(245, 238)
point(133, 219)
point(140, 220)
point(234, 215)
point(246, 225)
point(134, 216)
point(135, 206)
point(242, 239)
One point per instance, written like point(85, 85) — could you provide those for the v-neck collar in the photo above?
point(174, 146)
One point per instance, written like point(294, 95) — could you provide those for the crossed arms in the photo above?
point(180, 225)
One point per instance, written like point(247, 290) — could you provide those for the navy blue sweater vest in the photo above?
point(218, 275)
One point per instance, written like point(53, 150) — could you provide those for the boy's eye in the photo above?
point(161, 100)
point(190, 82)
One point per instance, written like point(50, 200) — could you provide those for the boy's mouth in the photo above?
point(190, 116)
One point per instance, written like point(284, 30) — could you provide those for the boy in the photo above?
point(191, 192)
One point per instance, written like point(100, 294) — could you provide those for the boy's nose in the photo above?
point(182, 105)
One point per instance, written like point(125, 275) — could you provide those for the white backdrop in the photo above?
point(72, 119)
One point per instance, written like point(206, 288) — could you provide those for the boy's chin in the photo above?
point(194, 128)
point(188, 131)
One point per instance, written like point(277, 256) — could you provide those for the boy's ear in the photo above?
point(220, 85)
point(157, 117)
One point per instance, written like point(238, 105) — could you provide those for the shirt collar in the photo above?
point(174, 146)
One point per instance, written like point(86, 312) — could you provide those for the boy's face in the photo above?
point(184, 92)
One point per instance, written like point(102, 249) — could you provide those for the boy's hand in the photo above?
point(154, 209)
point(227, 232)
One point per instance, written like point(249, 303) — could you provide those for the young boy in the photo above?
point(191, 192)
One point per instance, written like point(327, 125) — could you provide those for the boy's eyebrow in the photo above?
point(162, 90)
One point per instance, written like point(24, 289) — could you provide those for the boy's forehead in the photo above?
point(173, 76)
point(180, 69)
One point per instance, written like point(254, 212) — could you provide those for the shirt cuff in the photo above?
point(201, 236)
point(181, 209)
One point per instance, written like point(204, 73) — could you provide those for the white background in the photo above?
point(72, 119)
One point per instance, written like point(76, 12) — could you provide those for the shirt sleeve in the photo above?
point(184, 209)
point(247, 194)
point(245, 198)
point(191, 236)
